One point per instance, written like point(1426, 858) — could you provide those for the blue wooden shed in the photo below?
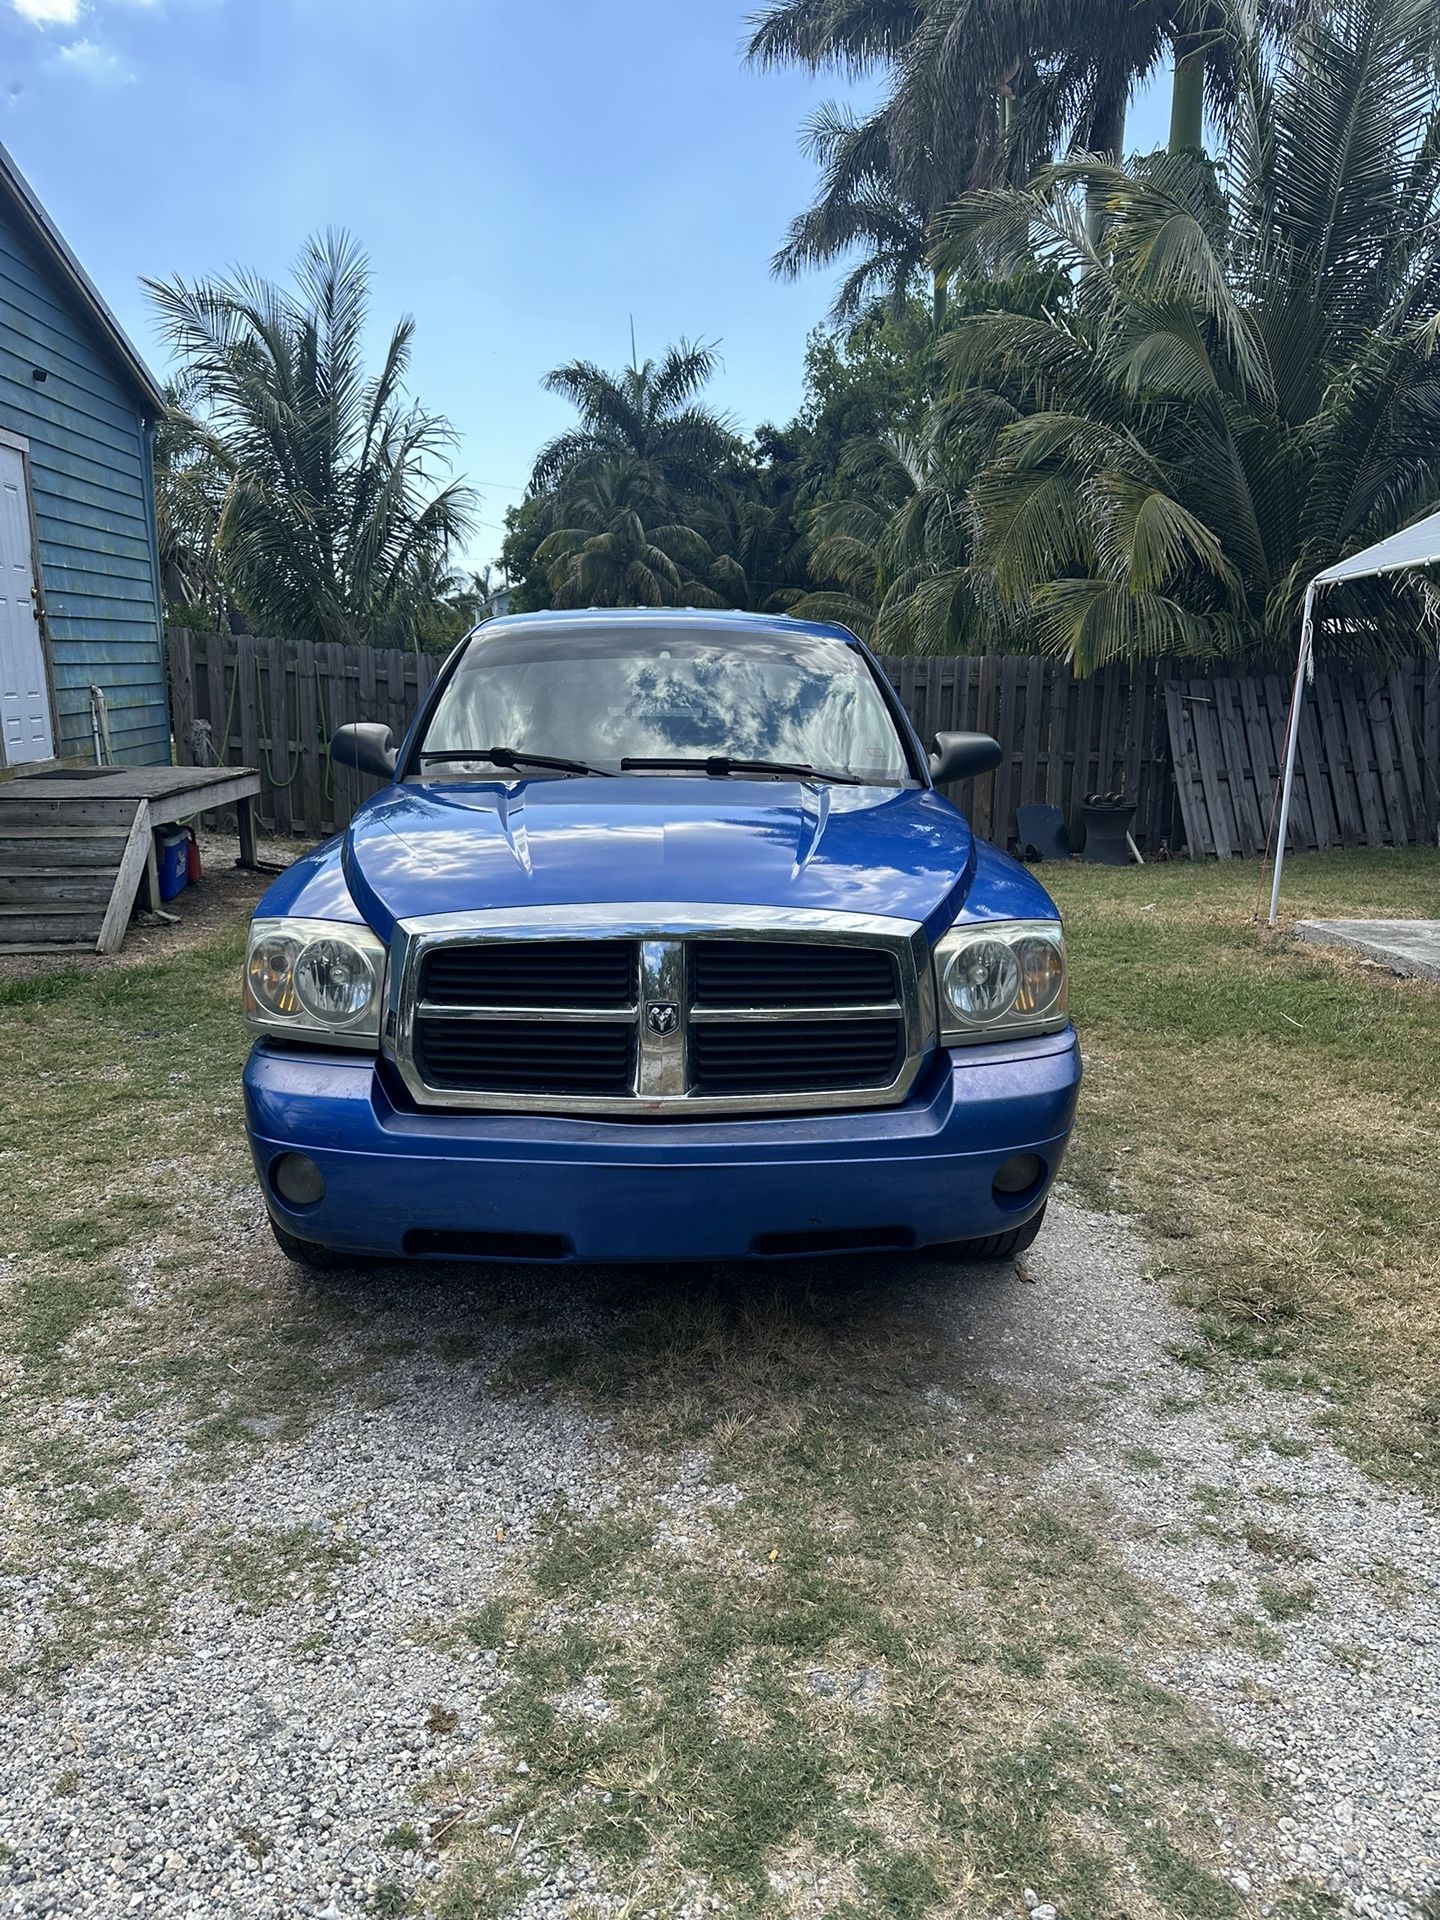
point(80, 597)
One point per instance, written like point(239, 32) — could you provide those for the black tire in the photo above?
point(994, 1246)
point(309, 1253)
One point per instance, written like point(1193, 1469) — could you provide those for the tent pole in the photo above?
point(1291, 739)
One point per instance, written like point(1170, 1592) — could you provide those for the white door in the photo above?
point(24, 693)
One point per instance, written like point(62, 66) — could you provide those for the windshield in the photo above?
point(604, 697)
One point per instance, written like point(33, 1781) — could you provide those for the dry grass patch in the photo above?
point(1270, 1110)
point(888, 1679)
point(131, 1288)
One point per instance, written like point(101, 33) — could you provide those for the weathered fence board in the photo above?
point(1198, 756)
point(1364, 774)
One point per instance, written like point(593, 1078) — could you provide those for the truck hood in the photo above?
point(447, 847)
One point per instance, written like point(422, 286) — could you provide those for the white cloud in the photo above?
point(95, 62)
point(48, 13)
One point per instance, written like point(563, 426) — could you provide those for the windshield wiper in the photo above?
point(719, 764)
point(515, 757)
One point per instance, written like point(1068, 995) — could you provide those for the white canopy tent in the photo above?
point(1417, 546)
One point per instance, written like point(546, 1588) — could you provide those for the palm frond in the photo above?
point(852, 35)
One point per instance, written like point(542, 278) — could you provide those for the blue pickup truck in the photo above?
point(659, 943)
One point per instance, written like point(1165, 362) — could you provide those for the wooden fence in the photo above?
point(273, 704)
point(1199, 757)
point(1061, 738)
point(1365, 771)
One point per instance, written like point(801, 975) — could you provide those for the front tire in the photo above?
point(309, 1253)
point(994, 1246)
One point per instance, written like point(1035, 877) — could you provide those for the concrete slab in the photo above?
point(1405, 946)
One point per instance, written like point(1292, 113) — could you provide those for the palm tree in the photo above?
point(897, 550)
point(190, 487)
point(457, 601)
point(1081, 57)
point(862, 203)
point(854, 35)
point(331, 520)
point(1239, 393)
point(646, 418)
point(979, 91)
point(611, 557)
point(758, 552)
point(877, 193)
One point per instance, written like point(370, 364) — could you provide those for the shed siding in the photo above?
point(91, 481)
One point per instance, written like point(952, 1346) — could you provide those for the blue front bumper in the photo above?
point(405, 1182)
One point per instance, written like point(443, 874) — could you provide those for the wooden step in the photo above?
point(10, 950)
point(70, 869)
point(47, 925)
point(63, 814)
point(76, 832)
point(64, 886)
point(62, 846)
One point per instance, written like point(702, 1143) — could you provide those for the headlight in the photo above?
point(1000, 979)
point(317, 979)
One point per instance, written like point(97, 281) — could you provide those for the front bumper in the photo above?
point(401, 1181)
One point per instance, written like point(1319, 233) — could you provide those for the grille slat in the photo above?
point(797, 1056)
point(789, 973)
point(531, 1056)
point(531, 973)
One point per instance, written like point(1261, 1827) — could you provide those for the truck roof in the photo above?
point(721, 621)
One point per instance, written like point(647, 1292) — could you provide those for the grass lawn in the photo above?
point(1271, 1112)
point(883, 1656)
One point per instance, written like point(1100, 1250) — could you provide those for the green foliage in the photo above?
point(1140, 405)
point(525, 527)
point(890, 535)
point(652, 500)
point(1239, 392)
point(875, 377)
point(646, 417)
point(611, 557)
point(189, 495)
point(291, 476)
point(974, 94)
point(454, 604)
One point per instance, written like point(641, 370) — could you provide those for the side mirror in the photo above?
point(959, 756)
point(367, 746)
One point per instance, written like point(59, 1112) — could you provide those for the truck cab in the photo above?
point(659, 943)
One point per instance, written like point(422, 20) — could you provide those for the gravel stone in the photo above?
point(1345, 1715)
point(252, 1763)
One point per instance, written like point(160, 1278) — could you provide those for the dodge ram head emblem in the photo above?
point(662, 1016)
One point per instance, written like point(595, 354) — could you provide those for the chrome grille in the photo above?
point(790, 973)
point(662, 1011)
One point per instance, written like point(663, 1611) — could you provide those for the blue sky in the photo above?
point(525, 179)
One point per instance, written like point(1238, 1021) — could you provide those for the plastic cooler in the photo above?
point(172, 862)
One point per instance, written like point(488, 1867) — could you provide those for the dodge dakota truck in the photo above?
point(659, 942)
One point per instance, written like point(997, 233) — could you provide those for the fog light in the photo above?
point(297, 1179)
point(1019, 1173)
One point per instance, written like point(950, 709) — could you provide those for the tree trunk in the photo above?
point(1187, 96)
point(939, 297)
point(1107, 138)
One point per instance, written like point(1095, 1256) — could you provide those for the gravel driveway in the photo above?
point(284, 1746)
